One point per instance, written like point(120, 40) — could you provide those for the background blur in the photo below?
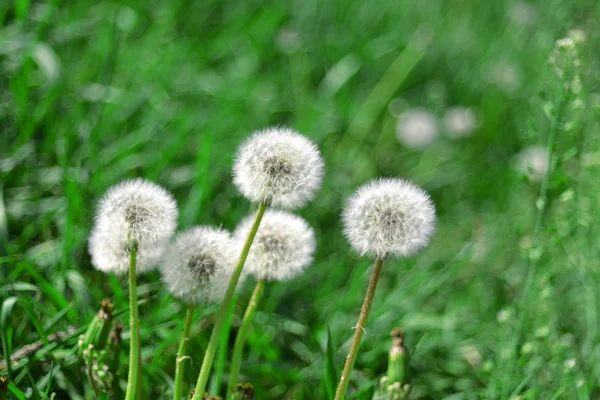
point(502, 305)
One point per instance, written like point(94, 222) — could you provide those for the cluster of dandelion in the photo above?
point(278, 170)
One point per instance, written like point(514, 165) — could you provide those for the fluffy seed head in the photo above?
point(279, 167)
point(389, 217)
point(417, 129)
point(283, 246)
point(534, 162)
point(198, 264)
point(460, 122)
point(134, 209)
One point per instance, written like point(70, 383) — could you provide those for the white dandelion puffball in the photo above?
point(199, 263)
point(389, 217)
point(417, 129)
point(134, 209)
point(460, 122)
point(283, 246)
point(534, 162)
point(279, 167)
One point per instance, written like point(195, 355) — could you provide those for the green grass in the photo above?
point(496, 308)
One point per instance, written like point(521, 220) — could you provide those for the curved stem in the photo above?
point(134, 327)
point(179, 363)
point(240, 340)
point(224, 308)
point(358, 332)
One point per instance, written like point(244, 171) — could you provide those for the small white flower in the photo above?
point(534, 162)
point(198, 265)
point(283, 246)
point(134, 209)
point(279, 167)
point(417, 129)
point(460, 122)
point(389, 217)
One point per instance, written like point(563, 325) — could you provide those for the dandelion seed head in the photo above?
point(389, 217)
point(283, 246)
point(460, 122)
point(198, 264)
point(417, 129)
point(534, 162)
point(134, 209)
point(279, 167)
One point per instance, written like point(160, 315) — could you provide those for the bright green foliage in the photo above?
point(504, 302)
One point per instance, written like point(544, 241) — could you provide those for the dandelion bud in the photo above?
point(389, 217)
point(397, 359)
point(135, 210)
point(243, 391)
point(278, 167)
point(283, 246)
point(97, 332)
point(198, 264)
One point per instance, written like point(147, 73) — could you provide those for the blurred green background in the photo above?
point(504, 302)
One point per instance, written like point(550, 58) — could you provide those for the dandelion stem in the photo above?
point(358, 332)
point(240, 340)
point(209, 355)
point(179, 363)
point(134, 327)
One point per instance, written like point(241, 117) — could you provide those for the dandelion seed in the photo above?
point(279, 167)
point(417, 129)
point(283, 246)
point(389, 217)
point(135, 209)
point(198, 264)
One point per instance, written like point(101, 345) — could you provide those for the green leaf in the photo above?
point(16, 392)
point(331, 378)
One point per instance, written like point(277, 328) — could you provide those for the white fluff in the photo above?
point(132, 209)
point(283, 246)
point(417, 129)
point(279, 167)
point(198, 265)
point(389, 217)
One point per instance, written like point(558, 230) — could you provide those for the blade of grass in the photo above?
point(331, 377)
point(6, 329)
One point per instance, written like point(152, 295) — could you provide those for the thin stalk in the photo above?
point(358, 332)
point(224, 308)
point(179, 366)
point(240, 340)
point(134, 327)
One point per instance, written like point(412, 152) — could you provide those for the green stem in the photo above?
point(224, 308)
point(134, 327)
point(238, 348)
point(179, 365)
point(358, 332)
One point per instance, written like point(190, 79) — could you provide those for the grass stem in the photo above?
point(358, 332)
point(134, 326)
point(224, 308)
point(238, 348)
point(179, 366)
